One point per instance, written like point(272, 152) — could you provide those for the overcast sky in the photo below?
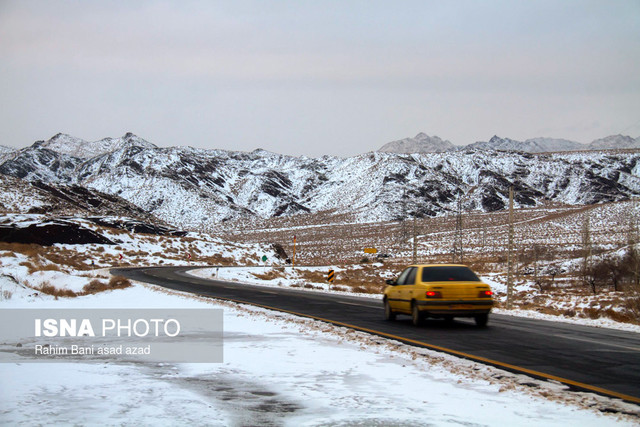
point(318, 77)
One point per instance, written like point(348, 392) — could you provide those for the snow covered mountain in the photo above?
point(615, 142)
point(421, 143)
point(533, 145)
point(197, 189)
point(5, 152)
point(76, 147)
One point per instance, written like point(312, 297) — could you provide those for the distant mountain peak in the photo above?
point(615, 142)
point(66, 144)
point(533, 145)
point(421, 143)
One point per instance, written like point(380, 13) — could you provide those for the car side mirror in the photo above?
point(391, 282)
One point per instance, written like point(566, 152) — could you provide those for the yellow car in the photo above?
point(438, 290)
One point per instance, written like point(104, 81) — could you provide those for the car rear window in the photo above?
point(448, 274)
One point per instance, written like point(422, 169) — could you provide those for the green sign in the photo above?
point(264, 258)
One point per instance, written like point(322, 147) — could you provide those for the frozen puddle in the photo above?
point(244, 402)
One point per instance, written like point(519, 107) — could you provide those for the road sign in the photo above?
point(331, 275)
point(370, 251)
point(264, 258)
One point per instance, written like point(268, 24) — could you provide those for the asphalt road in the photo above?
point(601, 360)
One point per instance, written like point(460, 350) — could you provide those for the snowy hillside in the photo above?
point(5, 153)
point(196, 189)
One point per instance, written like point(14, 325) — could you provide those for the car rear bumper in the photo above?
point(458, 307)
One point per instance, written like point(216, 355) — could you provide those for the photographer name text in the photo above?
point(77, 350)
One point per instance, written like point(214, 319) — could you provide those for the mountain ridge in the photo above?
point(420, 144)
point(192, 188)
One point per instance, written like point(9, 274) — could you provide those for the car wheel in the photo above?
point(388, 313)
point(482, 319)
point(416, 316)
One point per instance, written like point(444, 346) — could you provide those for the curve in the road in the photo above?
point(599, 360)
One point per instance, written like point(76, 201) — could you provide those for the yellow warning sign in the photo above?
point(370, 251)
point(331, 275)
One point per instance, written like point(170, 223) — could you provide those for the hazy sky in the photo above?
point(318, 77)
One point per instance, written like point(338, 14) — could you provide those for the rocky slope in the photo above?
point(197, 189)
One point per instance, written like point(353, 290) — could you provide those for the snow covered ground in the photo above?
point(282, 370)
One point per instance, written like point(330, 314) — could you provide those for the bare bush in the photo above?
point(49, 289)
point(96, 285)
point(119, 282)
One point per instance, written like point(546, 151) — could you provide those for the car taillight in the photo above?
point(434, 294)
point(484, 294)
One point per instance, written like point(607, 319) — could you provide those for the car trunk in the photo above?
point(459, 290)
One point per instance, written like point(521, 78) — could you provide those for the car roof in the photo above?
point(439, 265)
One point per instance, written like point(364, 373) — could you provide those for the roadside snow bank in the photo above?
point(283, 370)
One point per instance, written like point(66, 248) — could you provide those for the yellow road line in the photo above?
point(508, 366)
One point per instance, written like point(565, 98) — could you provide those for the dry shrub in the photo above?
point(618, 316)
point(36, 265)
point(313, 276)
point(368, 288)
point(49, 289)
point(217, 259)
point(30, 266)
point(31, 250)
point(269, 275)
point(67, 258)
point(96, 286)
point(632, 305)
point(478, 266)
point(119, 282)
point(591, 313)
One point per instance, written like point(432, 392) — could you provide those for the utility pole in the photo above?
point(509, 252)
point(484, 235)
point(293, 260)
point(632, 241)
point(415, 242)
point(459, 250)
point(587, 249)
